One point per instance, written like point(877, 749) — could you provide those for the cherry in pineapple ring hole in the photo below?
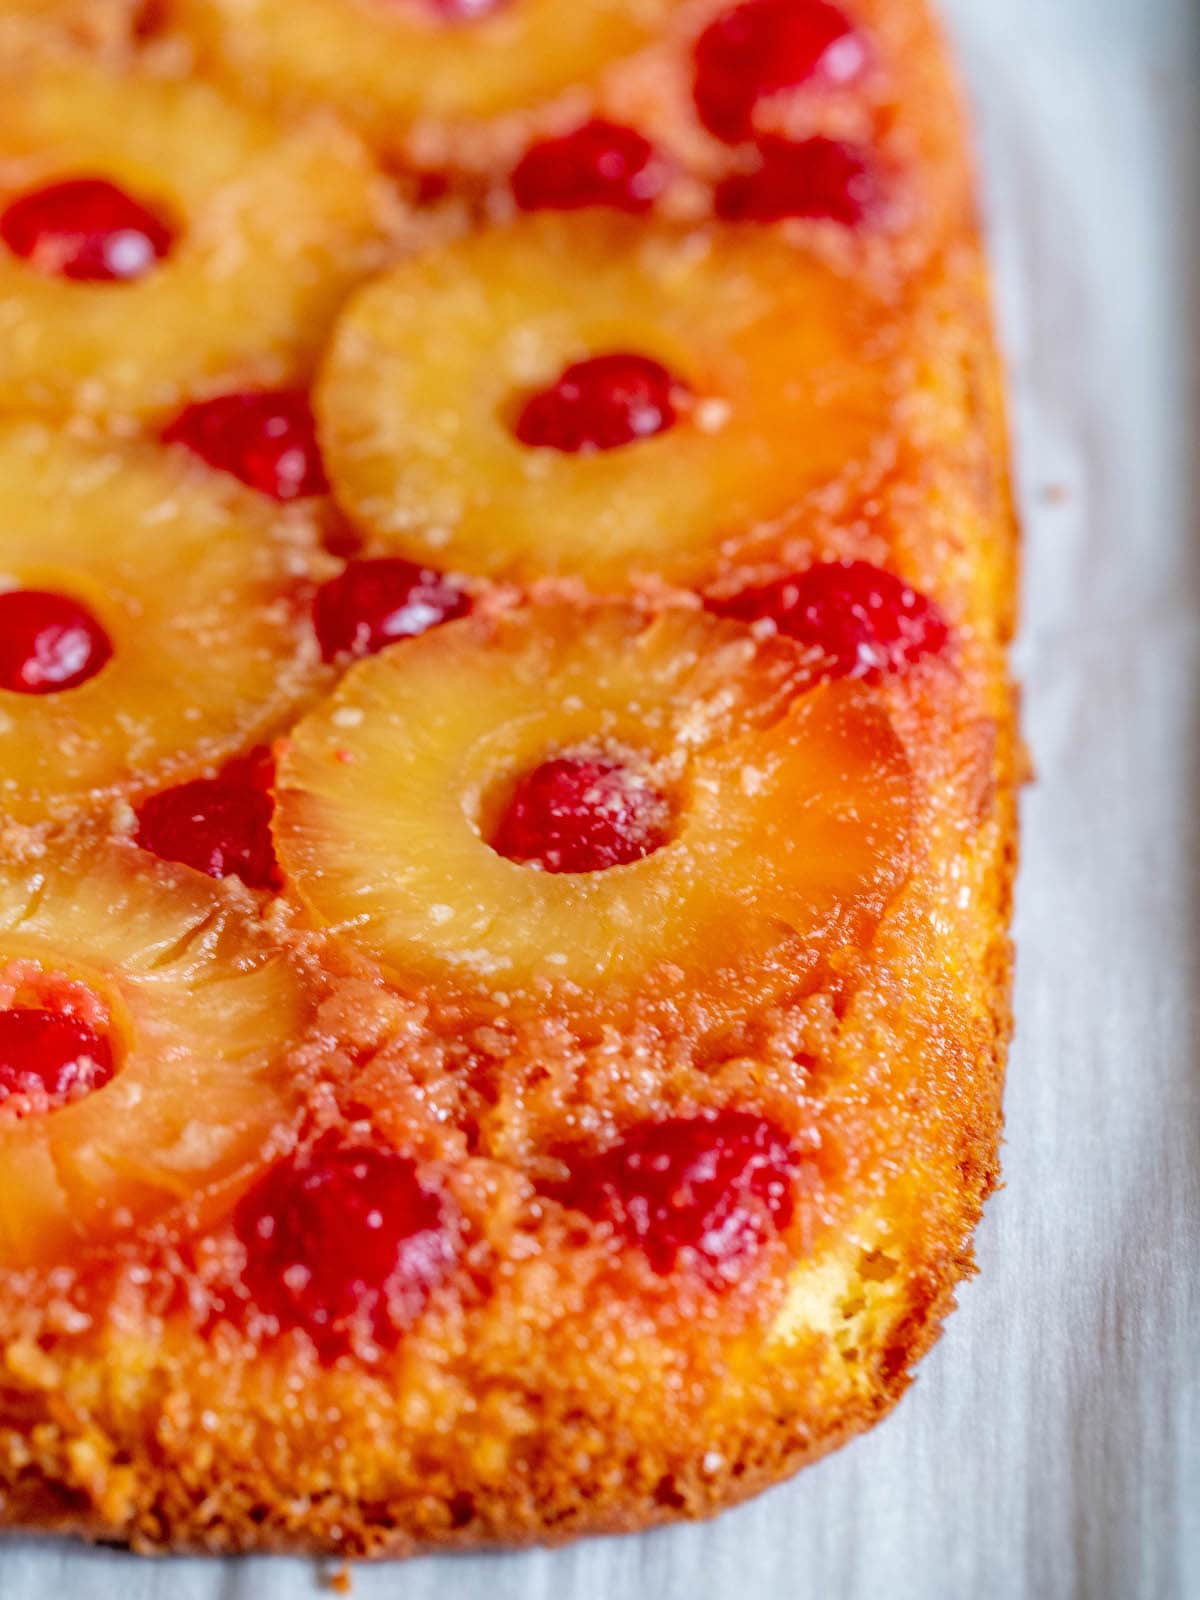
point(601, 404)
point(48, 642)
point(50, 1056)
point(87, 230)
point(581, 814)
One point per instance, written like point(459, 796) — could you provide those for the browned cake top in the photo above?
point(506, 759)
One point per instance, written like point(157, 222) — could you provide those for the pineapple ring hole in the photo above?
point(600, 402)
point(584, 809)
point(88, 228)
point(58, 994)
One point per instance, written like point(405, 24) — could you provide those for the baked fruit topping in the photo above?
point(48, 642)
point(704, 1191)
point(600, 404)
point(31, 27)
point(386, 64)
point(220, 826)
point(416, 397)
point(216, 244)
point(344, 1243)
point(597, 164)
point(85, 229)
point(377, 600)
point(572, 814)
point(157, 624)
point(765, 47)
point(819, 178)
point(788, 829)
point(266, 439)
point(200, 1012)
point(506, 757)
point(853, 618)
point(50, 1056)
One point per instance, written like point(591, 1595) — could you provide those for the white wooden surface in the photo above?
point(1051, 1445)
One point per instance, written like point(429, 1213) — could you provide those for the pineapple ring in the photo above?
point(197, 585)
point(273, 228)
point(416, 399)
point(36, 24)
point(202, 1009)
point(792, 813)
point(384, 64)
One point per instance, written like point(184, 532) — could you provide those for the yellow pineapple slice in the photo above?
point(782, 378)
point(776, 824)
point(189, 594)
point(232, 240)
point(94, 24)
point(199, 1011)
point(387, 63)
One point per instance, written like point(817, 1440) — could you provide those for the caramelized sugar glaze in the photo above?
point(507, 761)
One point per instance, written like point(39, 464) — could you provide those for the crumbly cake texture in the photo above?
point(507, 758)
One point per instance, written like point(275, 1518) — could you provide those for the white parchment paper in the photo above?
point(1051, 1445)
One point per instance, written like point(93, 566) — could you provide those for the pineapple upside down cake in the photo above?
point(507, 758)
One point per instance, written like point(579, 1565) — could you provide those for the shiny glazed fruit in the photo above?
point(375, 602)
point(708, 1190)
point(387, 64)
point(577, 815)
point(422, 384)
point(202, 1009)
point(464, 10)
point(788, 834)
point(275, 221)
point(86, 229)
point(51, 1054)
point(822, 179)
point(203, 587)
point(598, 164)
point(858, 620)
point(601, 404)
point(345, 1238)
point(764, 47)
point(48, 642)
point(220, 826)
point(267, 439)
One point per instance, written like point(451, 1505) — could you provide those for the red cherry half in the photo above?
point(598, 164)
point(265, 438)
point(601, 404)
point(87, 230)
point(346, 1237)
point(709, 1189)
point(577, 815)
point(50, 1056)
point(815, 178)
point(48, 642)
point(219, 826)
point(858, 620)
point(377, 601)
point(765, 47)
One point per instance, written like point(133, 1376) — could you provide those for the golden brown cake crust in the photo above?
point(555, 1384)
